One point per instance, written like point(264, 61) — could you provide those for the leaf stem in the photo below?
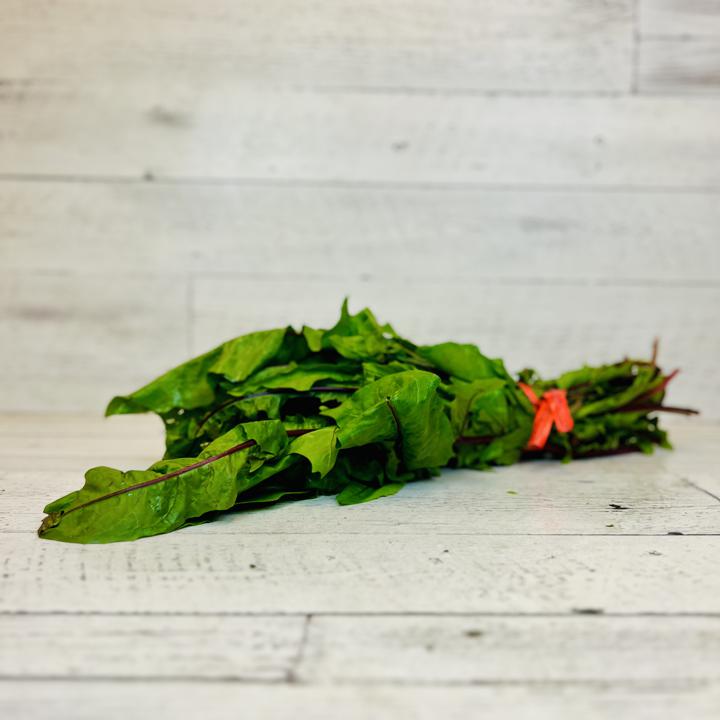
point(474, 439)
point(657, 408)
point(181, 471)
point(396, 419)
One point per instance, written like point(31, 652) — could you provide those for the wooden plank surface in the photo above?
point(662, 493)
point(90, 130)
point(522, 501)
point(563, 45)
point(167, 701)
point(680, 65)
point(679, 17)
point(454, 594)
point(473, 649)
point(65, 444)
point(417, 650)
point(66, 339)
point(96, 331)
point(344, 232)
point(238, 648)
point(187, 572)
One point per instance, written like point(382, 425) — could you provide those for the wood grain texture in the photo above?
point(237, 648)
point(474, 649)
point(67, 340)
point(680, 65)
point(167, 701)
point(344, 232)
point(378, 573)
point(303, 609)
point(416, 650)
point(93, 130)
point(62, 443)
point(679, 17)
point(524, 501)
point(96, 331)
point(550, 326)
point(561, 45)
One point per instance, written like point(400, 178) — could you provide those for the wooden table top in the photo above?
point(544, 590)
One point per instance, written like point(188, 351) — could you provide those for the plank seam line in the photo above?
point(586, 617)
point(38, 90)
point(442, 280)
point(354, 184)
point(437, 280)
point(418, 533)
point(11, 85)
point(674, 684)
point(459, 92)
point(297, 660)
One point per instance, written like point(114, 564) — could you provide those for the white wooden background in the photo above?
point(540, 177)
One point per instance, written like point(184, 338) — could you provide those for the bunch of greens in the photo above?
point(355, 411)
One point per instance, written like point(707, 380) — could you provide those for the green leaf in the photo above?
point(480, 405)
point(403, 406)
point(115, 505)
point(300, 376)
point(319, 448)
point(186, 386)
point(356, 493)
point(361, 337)
point(193, 384)
point(465, 362)
point(271, 495)
point(313, 338)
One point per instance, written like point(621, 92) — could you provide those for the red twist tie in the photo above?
point(551, 409)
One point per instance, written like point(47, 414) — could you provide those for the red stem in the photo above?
point(176, 473)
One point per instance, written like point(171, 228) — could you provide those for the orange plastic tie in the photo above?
point(551, 409)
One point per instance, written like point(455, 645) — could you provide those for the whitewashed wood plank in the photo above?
point(679, 17)
point(679, 65)
point(61, 442)
point(267, 231)
point(586, 141)
point(20, 432)
point(72, 443)
point(76, 464)
point(221, 648)
point(70, 341)
point(185, 572)
point(533, 498)
point(221, 701)
point(560, 45)
point(476, 649)
point(96, 332)
point(417, 650)
point(507, 502)
point(550, 326)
